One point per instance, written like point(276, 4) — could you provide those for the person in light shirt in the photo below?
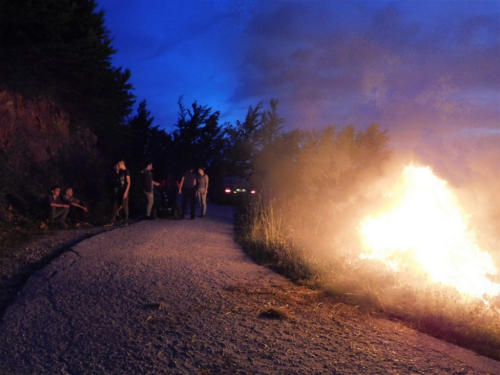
point(148, 187)
point(202, 189)
point(77, 209)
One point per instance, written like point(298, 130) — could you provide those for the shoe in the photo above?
point(77, 225)
point(124, 224)
point(202, 215)
point(109, 224)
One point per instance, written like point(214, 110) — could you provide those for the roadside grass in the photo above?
point(275, 238)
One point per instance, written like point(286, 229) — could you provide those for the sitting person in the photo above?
point(77, 209)
point(57, 209)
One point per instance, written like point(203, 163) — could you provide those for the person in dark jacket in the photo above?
point(123, 180)
point(188, 190)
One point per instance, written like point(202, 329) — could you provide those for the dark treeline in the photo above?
point(60, 50)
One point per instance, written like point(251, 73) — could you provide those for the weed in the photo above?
point(277, 237)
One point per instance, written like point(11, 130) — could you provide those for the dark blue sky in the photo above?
point(428, 71)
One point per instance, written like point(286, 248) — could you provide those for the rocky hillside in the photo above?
point(39, 125)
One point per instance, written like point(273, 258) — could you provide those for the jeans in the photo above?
point(188, 194)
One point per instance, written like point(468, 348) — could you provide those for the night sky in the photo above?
point(427, 71)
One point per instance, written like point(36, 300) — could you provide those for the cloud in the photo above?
point(410, 66)
point(387, 62)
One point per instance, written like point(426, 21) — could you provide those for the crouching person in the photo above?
point(58, 211)
point(77, 209)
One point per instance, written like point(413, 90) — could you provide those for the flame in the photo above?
point(426, 227)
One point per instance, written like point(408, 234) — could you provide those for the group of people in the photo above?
point(62, 206)
point(194, 186)
point(191, 187)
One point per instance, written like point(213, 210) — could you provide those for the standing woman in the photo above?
point(148, 187)
point(202, 184)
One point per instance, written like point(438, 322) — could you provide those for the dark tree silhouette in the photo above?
point(259, 131)
point(61, 49)
point(198, 137)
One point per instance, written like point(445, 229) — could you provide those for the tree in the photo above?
point(198, 139)
point(61, 49)
point(146, 143)
point(270, 127)
point(161, 152)
point(260, 130)
point(242, 144)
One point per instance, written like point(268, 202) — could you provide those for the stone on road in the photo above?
point(180, 297)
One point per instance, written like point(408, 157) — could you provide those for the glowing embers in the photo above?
point(425, 229)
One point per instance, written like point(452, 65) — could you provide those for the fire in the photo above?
point(426, 227)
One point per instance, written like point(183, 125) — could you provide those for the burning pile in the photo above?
point(424, 228)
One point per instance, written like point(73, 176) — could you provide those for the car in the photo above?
point(236, 189)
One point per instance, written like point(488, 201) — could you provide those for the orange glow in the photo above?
point(426, 227)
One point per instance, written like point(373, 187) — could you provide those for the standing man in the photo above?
point(117, 206)
point(121, 195)
point(57, 209)
point(187, 188)
point(147, 186)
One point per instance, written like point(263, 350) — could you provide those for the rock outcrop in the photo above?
point(40, 127)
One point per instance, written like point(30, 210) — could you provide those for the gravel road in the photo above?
point(181, 297)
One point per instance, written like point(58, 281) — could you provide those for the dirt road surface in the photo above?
point(181, 297)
